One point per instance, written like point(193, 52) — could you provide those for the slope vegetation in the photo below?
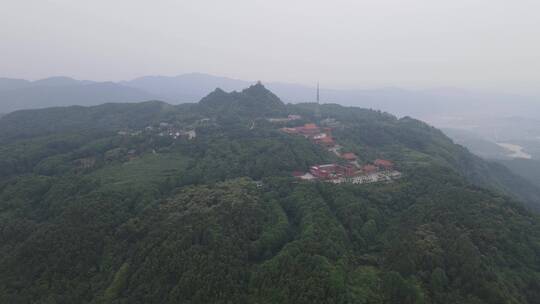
point(152, 203)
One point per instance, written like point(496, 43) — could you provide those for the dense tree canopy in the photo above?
point(96, 206)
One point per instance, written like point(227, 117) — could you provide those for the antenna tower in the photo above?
point(318, 106)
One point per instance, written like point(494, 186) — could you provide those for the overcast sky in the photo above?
point(487, 44)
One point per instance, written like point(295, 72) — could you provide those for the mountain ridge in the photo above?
point(427, 104)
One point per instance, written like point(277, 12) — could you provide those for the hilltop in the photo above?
point(197, 203)
point(255, 101)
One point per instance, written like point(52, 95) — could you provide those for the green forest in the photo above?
point(103, 205)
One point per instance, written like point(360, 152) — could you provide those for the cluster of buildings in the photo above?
point(167, 129)
point(176, 134)
point(328, 171)
point(380, 170)
point(351, 171)
point(163, 129)
point(321, 136)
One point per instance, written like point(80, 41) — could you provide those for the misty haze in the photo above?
point(270, 151)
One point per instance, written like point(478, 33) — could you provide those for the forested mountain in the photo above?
point(526, 168)
point(117, 204)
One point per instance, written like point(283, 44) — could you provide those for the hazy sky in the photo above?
point(363, 43)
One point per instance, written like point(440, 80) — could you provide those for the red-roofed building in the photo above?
point(347, 171)
point(349, 156)
point(331, 171)
point(322, 171)
point(369, 169)
point(309, 129)
point(289, 130)
point(298, 173)
point(383, 163)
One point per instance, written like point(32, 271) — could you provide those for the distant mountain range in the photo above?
point(16, 94)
